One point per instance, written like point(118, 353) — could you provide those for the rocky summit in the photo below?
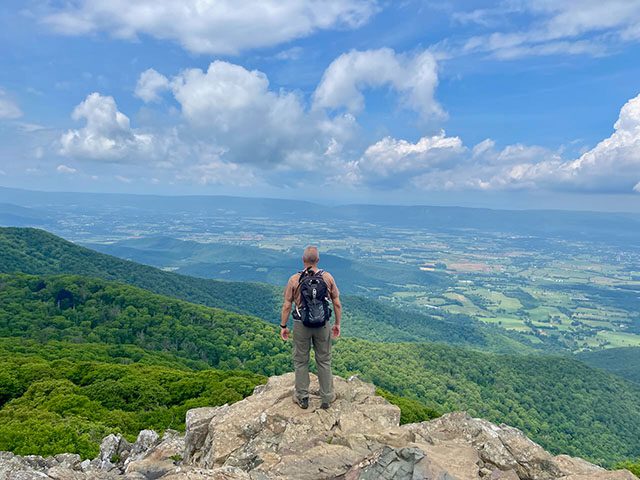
point(268, 437)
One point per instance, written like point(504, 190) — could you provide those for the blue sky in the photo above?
point(514, 104)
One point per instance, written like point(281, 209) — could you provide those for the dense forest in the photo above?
point(65, 397)
point(624, 361)
point(561, 403)
point(38, 252)
point(69, 405)
point(81, 309)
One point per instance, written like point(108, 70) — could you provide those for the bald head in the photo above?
point(311, 255)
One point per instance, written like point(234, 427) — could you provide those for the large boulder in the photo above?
point(500, 448)
point(268, 432)
point(113, 450)
point(153, 457)
point(359, 437)
point(197, 426)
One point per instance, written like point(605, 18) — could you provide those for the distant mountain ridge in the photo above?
point(11, 214)
point(603, 226)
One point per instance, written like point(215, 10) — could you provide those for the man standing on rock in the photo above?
point(311, 291)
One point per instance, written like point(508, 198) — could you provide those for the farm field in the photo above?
point(572, 301)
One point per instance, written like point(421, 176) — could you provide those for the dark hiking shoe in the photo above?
point(303, 403)
point(324, 405)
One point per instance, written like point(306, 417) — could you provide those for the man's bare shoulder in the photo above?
point(328, 276)
point(293, 279)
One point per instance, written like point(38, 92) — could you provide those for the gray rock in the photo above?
point(84, 465)
point(502, 475)
point(197, 425)
point(145, 441)
point(68, 460)
point(220, 473)
point(38, 462)
point(62, 473)
point(109, 451)
point(13, 467)
point(388, 464)
point(154, 458)
point(134, 476)
point(268, 432)
point(360, 437)
point(503, 447)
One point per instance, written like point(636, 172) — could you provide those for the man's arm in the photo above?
point(287, 305)
point(337, 307)
point(334, 293)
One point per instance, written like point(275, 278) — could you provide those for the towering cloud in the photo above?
point(612, 165)
point(236, 110)
point(235, 128)
point(107, 134)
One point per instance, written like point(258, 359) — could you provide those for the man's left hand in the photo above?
point(335, 331)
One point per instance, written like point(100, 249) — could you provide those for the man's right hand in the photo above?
point(284, 334)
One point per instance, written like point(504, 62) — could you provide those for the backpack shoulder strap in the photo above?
point(303, 273)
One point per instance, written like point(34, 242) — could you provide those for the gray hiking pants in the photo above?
point(303, 338)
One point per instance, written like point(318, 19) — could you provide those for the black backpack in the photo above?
point(315, 310)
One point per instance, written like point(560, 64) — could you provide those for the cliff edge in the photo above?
point(267, 437)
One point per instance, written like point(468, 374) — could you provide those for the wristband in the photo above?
point(283, 326)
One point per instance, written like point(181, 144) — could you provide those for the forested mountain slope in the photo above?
point(624, 362)
point(38, 252)
point(559, 402)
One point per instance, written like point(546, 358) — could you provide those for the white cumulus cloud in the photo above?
point(233, 129)
point(612, 165)
point(209, 26)
point(214, 171)
point(150, 85)
point(236, 110)
point(390, 157)
point(107, 134)
point(441, 162)
point(413, 77)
